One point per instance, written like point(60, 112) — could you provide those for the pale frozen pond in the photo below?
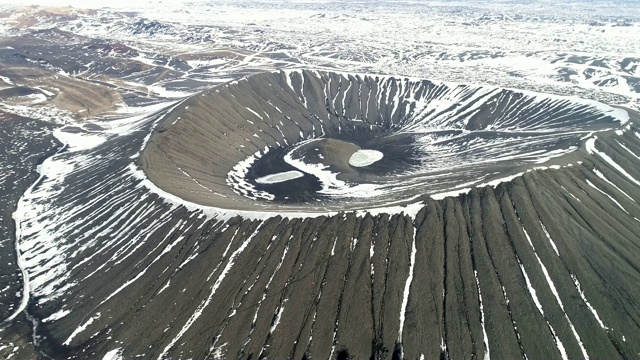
point(365, 157)
point(280, 177)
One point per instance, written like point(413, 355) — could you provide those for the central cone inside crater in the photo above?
point(319, 140)
point(328, 152)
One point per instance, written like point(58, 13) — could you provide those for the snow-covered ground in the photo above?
point(584, 48)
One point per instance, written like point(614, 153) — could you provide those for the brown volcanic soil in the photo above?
point(81, 98)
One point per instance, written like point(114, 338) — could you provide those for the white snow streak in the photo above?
point(215, 287)
point(601, 176)
point(553, 244)
point(484, 330)
point(534, 296)
point(557, 296)
point(80, 329)
point(592, 150)
point(584, 299)
point(609, 196)
point(115, 354)
point(407, 286)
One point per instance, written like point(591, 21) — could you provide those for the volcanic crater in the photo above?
point(288, 140)
point(159, 210)
point(494, 222)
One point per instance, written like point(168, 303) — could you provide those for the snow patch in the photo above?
point(280, 177)
point(365, 157)
point(115, 354)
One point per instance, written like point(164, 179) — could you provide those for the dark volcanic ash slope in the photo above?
point(545, 265)
point(26, 142)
